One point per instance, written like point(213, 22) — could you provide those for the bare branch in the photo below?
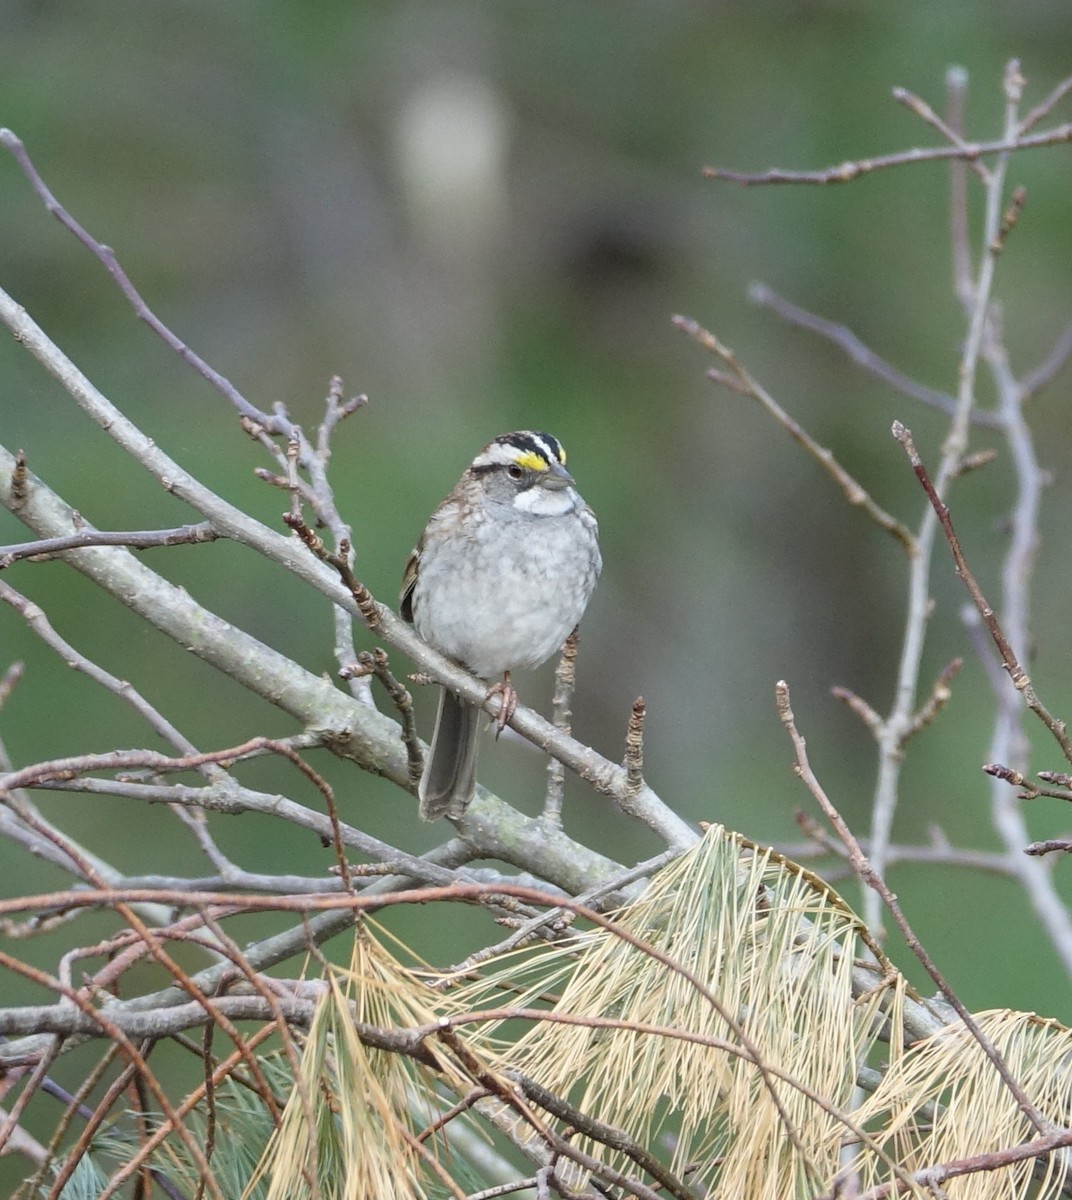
point(869, 876)
point(949, 131)
point(1047, 370)
point(106, 257)
point(1046, 106)
point(855, 493)
point(846, 172)
point(1020, 679)
point(136, 540)
point(938, 852)
point(858, 705)
point(932, 1177)
point(860, 353)
point(936, 701)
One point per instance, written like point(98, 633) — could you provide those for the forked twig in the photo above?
point(950, 131)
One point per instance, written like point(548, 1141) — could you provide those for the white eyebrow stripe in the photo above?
point(496, 455)
point(512, 447)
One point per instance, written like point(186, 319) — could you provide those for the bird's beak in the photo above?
point(556, 477)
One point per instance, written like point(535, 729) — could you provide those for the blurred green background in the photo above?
point(484, 216)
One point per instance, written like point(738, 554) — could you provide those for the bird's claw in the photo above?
point(507, 695)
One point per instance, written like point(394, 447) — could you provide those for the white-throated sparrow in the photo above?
point(502, 574)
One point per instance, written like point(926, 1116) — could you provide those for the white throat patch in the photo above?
point(546, 502)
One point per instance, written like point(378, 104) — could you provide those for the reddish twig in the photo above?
point(934, 1176)
point(867, 874)
point(134, 1056)
point(1020, 679)
point(363, 598)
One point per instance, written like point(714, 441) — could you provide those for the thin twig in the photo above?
point(340, 560)
point(1034, 381)
point(160, 725)
point(374, 662)
point(9, 1122)
point(512, 1098)
point(1029, 790)
point(335, 410)
point(106, 256)
point(860, 353)
point(938, 852)
point(848, 171)
point(107, 1028)
point(867, 875)
point(1020, 679)
point(949, 131)
point(855, 493)
point(857, 705)
point(938, 698)
point(504, 1189)
point(607, 1135)
point(1010, 219)
point(932, 1177)
point(555, 921)
point(135, 540)
point(1047, 106)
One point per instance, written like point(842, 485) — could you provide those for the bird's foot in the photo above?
point(504, 689)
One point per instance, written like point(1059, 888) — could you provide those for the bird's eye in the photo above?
point(515, 472)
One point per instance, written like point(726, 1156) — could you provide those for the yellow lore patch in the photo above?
point(531, 461)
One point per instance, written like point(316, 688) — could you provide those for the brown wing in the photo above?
point(409, 581)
